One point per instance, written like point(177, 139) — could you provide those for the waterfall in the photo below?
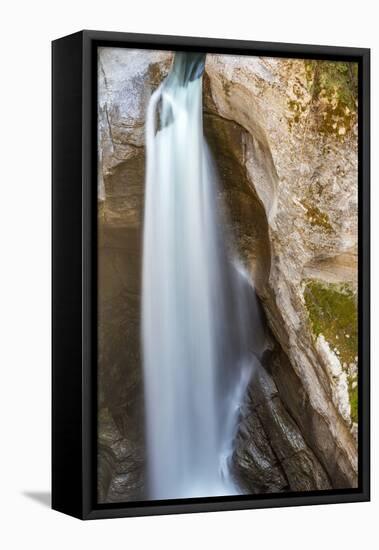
point(201, 330)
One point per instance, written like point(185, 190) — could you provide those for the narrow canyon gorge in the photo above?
point(283, 136)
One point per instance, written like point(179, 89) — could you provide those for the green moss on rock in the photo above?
point(353, 396)
point(334, 89)
point(297, 109)
point(317, 218)
point(332, 310)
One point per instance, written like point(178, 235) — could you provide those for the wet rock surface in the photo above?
point(121, 448)
point(120, 464)
point(288, 178)
point(286, 463)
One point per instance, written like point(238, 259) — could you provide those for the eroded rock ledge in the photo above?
point(285, 141)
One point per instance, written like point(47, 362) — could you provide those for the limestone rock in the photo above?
point(120, 464)
point(269, 441)
point(306, 179)
point(337, 376)
point(285, 147)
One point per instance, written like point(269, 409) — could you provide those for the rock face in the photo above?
point(283, 133)
point(271, 455)
point(125, 83)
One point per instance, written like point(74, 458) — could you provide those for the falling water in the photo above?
point(200, 323)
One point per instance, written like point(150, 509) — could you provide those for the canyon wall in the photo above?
point(283, 134)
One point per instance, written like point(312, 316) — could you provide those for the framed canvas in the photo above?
point(210, 275)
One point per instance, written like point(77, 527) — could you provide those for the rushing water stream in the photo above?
point(200, 322)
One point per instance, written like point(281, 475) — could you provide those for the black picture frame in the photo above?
point(74, 273)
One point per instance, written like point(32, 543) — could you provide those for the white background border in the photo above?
point(25, 122)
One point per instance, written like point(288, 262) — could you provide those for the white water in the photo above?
point(200, 323)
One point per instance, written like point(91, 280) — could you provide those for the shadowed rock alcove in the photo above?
point(242, 211)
